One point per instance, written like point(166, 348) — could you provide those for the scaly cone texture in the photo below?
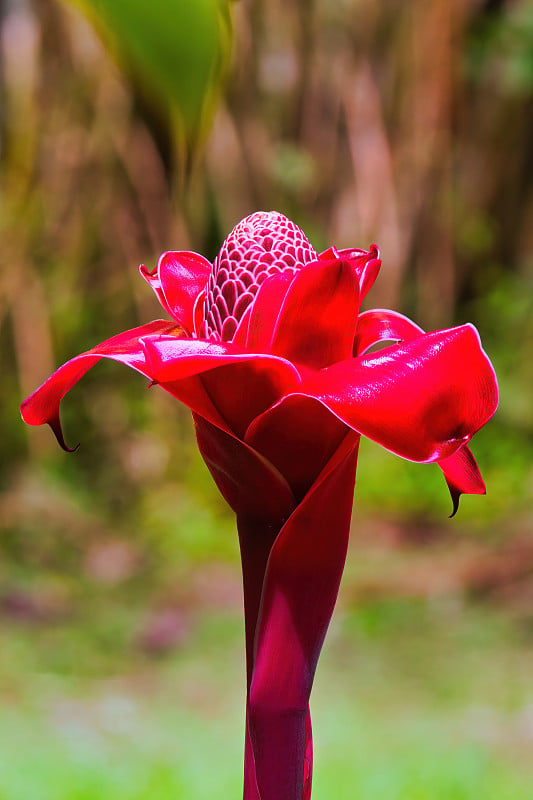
point(269, 350)
point(258, 247)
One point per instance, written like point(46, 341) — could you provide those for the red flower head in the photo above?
point(268, 349)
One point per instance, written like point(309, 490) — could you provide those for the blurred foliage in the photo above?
point(409, 125)
point(174, 51)
point(412, 700)
point(501, 50)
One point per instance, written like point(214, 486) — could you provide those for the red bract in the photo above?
point(268, 349)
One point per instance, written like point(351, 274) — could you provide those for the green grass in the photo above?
point(413, 701)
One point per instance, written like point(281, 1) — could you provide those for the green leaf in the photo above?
point(175, 50)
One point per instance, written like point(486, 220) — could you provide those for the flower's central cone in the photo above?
point(261, 245)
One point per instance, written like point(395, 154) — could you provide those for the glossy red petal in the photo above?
point(240, 385)
point(249, 483)
point(178, 279)
point(43, 405)
point(299, 593)
point(316, 323)
point(192, 393)
point(265, 311)
point(462, 476)
point(242, 391)
point(299, 436)
point(368, 266)
point(152, 278)
point(381, 325)
point(241, 334)
point(423, 399)
point(171, 358)
point(198, 313)
point(365, 263)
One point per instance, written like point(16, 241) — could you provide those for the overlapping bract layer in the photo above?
point(268, 349)
point(301, 334)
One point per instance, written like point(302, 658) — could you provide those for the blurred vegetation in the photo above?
point(409, 125)
point(175, 53)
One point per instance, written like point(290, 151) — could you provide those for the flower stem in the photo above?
point(291, 576)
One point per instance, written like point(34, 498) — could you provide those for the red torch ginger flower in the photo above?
point(268, 349)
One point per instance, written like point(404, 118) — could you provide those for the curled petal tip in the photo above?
point(455, 502)
point(456, 496)
point(177, 280)
point(55, 425)
point(149, 275)
point(462, 476)
point(329, 254)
